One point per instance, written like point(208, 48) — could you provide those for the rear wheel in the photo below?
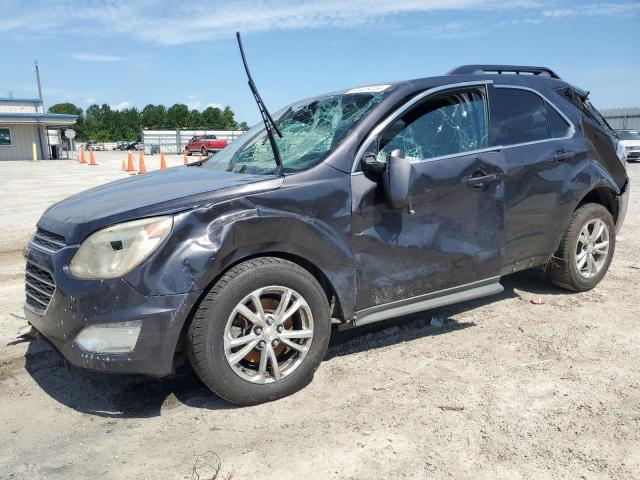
point(586, 250)
point(261, 332)
point(203, 150)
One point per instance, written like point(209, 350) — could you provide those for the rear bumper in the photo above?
point(76, 304)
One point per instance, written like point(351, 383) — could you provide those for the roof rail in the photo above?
point(517, 69)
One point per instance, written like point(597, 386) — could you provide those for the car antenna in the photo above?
point(269, 124)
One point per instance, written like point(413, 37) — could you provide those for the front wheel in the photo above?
point(586, 249)
point(261, 332)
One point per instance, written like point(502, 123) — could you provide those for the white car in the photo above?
point(630, 140)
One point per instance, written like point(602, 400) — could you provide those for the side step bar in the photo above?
point(441, 298)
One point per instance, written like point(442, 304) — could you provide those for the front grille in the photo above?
point(39, 287)
point(48, 240)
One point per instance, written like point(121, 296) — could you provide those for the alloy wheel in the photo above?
point(592, 248)
point(268, 334)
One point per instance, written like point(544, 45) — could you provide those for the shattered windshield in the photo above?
point(310, 130)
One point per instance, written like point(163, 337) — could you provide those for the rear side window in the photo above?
point(521, 116)
point(558, 127)
point(449, 125)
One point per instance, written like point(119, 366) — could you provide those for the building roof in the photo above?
point(20, 100)
point(621, 112)
point(49, 119)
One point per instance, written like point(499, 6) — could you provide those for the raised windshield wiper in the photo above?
point(269, 124)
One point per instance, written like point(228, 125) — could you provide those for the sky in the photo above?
point(135, 52)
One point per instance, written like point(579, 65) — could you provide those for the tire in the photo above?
point(563, 268)
point(217, 317)
point(203, 151)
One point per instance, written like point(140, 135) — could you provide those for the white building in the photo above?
point(23, 129)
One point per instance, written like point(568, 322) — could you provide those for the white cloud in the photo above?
point(89, 100)
point(594, 9)
point(122, 106)
point(95, 57)
point(171, 23)
point(200, 105)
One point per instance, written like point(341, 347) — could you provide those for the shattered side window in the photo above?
point(309, 132)
point(446, 126)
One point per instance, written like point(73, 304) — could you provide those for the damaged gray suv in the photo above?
point(346, 208)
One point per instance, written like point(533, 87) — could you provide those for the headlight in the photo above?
point(116, 250)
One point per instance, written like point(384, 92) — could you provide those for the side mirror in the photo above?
point(372, 167)
point(397, 180)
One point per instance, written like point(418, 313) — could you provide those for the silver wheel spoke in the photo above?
point(236, 342)
point(262, 369)
point(255, 299)
point(294, 308)
point(598, 228)
point(581, 258)
point(591, 265)
point(584, 237)
point(294, 345)
point(285, 298)
point(275, 368)
point(296, 334)
point(240, 354)
point(249, 315)
point(601, 247)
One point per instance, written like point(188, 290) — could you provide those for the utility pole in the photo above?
point(41, 131)
point(39, 85)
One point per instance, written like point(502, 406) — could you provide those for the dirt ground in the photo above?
point(504, 389)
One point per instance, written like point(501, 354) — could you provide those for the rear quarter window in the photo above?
point(522, 116)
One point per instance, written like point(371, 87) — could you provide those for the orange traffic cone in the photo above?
point(142, 168)
point(123, 168)
point(130, 167)
point(185, 159)
point(82, 157)
point(92, 158)
point(163, 162)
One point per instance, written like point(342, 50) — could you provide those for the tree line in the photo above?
point(104, 124)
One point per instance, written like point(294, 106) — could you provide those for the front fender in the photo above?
point(207, 240)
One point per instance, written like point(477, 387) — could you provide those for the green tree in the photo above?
point(228, 119)
point(154, 116)
point(212, 118)
point(177, 116)
point(194, 120)
point(65, 108)
point(243, 126)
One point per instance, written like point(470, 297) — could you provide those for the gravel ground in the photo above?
point(504, 389)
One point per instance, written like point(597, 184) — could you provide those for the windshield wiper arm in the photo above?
point(269, 124)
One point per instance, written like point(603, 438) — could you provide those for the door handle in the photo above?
point(562, 155)
point(479, 182)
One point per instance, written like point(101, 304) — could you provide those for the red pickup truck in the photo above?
point(204, 144)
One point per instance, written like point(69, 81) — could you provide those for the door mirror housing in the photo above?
point(371, 167)
point(397, 180)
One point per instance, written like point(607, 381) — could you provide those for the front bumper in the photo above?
point(76, 304)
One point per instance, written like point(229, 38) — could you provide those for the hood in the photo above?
point(630, 143)
point(155, 193)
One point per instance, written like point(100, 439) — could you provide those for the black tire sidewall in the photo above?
point(219, 376)
point(583, 216)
